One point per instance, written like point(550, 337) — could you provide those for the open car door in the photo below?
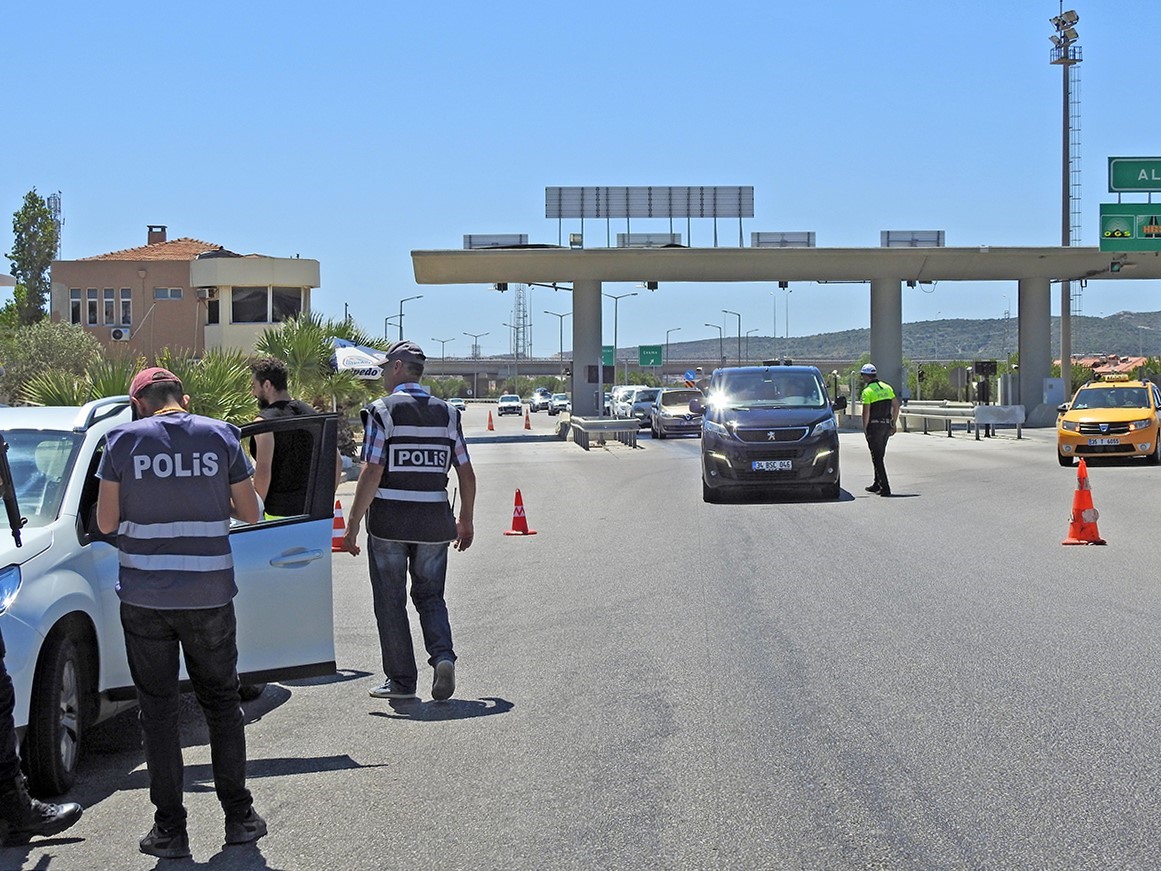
point(282, 566)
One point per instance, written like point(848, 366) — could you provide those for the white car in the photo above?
point(457, 403)
point(59, 610)
point(621, 399)
point(560, 402)
point(509, 403)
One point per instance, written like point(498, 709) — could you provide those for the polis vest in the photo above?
point(411, 501)
point(879, 396)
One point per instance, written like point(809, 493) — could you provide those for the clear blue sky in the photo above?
point(354, 133)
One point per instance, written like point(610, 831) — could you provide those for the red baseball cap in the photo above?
point(153, 375)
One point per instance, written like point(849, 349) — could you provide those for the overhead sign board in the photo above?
point(1130, 226)
point(649, 355)
point(723, 201)
point(1134, 174)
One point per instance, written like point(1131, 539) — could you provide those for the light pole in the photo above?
point(786, 319)
point(667, 332)
point(443, 347)
point(476, 356)
point(748, 342)
point(406, 299)
point(388, 320)
point(515, 358)
point(726, 311)
point(617, 299)
point(562, 317)
point(721, 353)
point(1065, 55)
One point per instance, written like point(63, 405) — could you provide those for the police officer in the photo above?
point(880, 414)
point(411, 440)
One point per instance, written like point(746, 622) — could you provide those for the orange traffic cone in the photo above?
point(527, 421)
point(519, 521)
point(1082, 527)
point(338, 529)
point(491, 428)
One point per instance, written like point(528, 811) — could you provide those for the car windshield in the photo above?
point(679, 397)
point(40, 463)
point(769, 388)
point(561, 397)
point(1111, 397)
point(645, 396)
point(507, 398)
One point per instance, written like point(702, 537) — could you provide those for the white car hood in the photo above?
point(33, 543)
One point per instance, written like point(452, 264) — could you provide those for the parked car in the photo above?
point(560, 402)
point(1114, 417)
point(768, 427)
point(620, 396)
point(509, 403)
point(540, 400)
point(59, 609)
point(457, 403)
point(670, 414)
point(641, 405)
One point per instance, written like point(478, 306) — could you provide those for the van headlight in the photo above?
point(715, 427)
point(1140, 424)
point(9, 586)
point(823, 426)
point(1069, 425)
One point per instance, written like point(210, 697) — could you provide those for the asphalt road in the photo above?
point(928, 681)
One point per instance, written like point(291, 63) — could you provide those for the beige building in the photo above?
point(184, 294)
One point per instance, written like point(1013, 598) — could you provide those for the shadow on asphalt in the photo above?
point(452, 709)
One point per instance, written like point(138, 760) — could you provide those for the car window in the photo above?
point(779, 389)
point(679, 397)
point(646, 396)
point(41, 463)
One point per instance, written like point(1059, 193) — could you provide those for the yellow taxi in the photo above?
point(1116, 416)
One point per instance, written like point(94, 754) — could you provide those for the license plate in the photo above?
point(1104, 441)
point(771, 465)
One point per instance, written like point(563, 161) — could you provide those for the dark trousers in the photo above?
point(9, 759)
point(877, 435)
point(207, 638)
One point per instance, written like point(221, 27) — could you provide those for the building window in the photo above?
point(167, 293)
point(285, 303)
point(248, 305)
point(91, 306)
point(213, 311)
point(110, 306)
point(126, 306)
point(74, 305)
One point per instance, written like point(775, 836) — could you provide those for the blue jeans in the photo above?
point(208, 639)
point(388, 562)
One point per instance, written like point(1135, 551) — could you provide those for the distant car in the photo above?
point(641, 405)
point(58, 601)
point(510, 403)
point(559, 403)
point(670, 414)
point(1114, 417)
point(620, 396)
point(608, 404)
point(540, 400)
point(458, 403)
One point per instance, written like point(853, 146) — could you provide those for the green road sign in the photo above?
point(649, 355)
point(1134, 174)
point(607, 355)
point(1131, 226)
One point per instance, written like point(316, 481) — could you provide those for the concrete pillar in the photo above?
point(887, 331)
point(1034, 308)
point(586, 347)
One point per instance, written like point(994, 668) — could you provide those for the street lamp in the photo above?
point(721, 353)
point(667, 332)
point(515, 357)
point(443, 347)
point(786, 320)
point(726, 311)
point(476, 356)
point(754, 330)
point(562, 317)
point(388, 320)
point(616, 299)
point(406, 299)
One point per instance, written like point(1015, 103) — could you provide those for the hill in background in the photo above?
point(963, 339)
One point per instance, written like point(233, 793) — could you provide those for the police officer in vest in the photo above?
point(411, 440)
point(880, 414)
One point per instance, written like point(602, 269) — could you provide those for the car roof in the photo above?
point(804, 370)
point(73, 418)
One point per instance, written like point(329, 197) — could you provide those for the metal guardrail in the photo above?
point(584, 429)
point(975, 418)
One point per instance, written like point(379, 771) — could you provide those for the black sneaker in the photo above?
point(874, 488)
point(886, 491)
point(249, 828)
point(165, 844)
point(390, 690)
point(444, 683)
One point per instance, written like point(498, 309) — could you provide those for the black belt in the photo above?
point(880, 420)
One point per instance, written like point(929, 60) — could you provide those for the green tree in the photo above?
point(29, 351)
point(34, 245)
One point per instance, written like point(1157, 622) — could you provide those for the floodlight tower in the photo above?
point(1066, 54)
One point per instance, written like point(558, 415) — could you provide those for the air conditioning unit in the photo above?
point(119, 334)
point(207, 293)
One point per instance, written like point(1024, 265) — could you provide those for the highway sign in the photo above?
point(649, 355)
point(607, 355)
point(1130, 227)
point(1134, 174)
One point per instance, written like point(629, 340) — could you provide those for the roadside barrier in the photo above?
point(973, 417)
point(624, 431)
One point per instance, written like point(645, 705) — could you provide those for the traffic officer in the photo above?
point(880, 415)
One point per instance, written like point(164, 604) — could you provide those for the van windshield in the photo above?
point(768, 388)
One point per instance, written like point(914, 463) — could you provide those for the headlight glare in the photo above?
point(9, 586)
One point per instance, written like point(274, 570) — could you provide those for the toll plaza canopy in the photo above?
point(885, 269)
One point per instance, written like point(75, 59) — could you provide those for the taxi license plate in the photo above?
point(1104, 441)
point(771, 465)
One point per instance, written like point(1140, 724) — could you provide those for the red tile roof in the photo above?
point(176, 249)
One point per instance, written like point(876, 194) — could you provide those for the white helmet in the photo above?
point(869, 369)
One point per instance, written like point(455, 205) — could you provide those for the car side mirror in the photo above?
point(696, 407)
point(1063, 407)
point(839, 404)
